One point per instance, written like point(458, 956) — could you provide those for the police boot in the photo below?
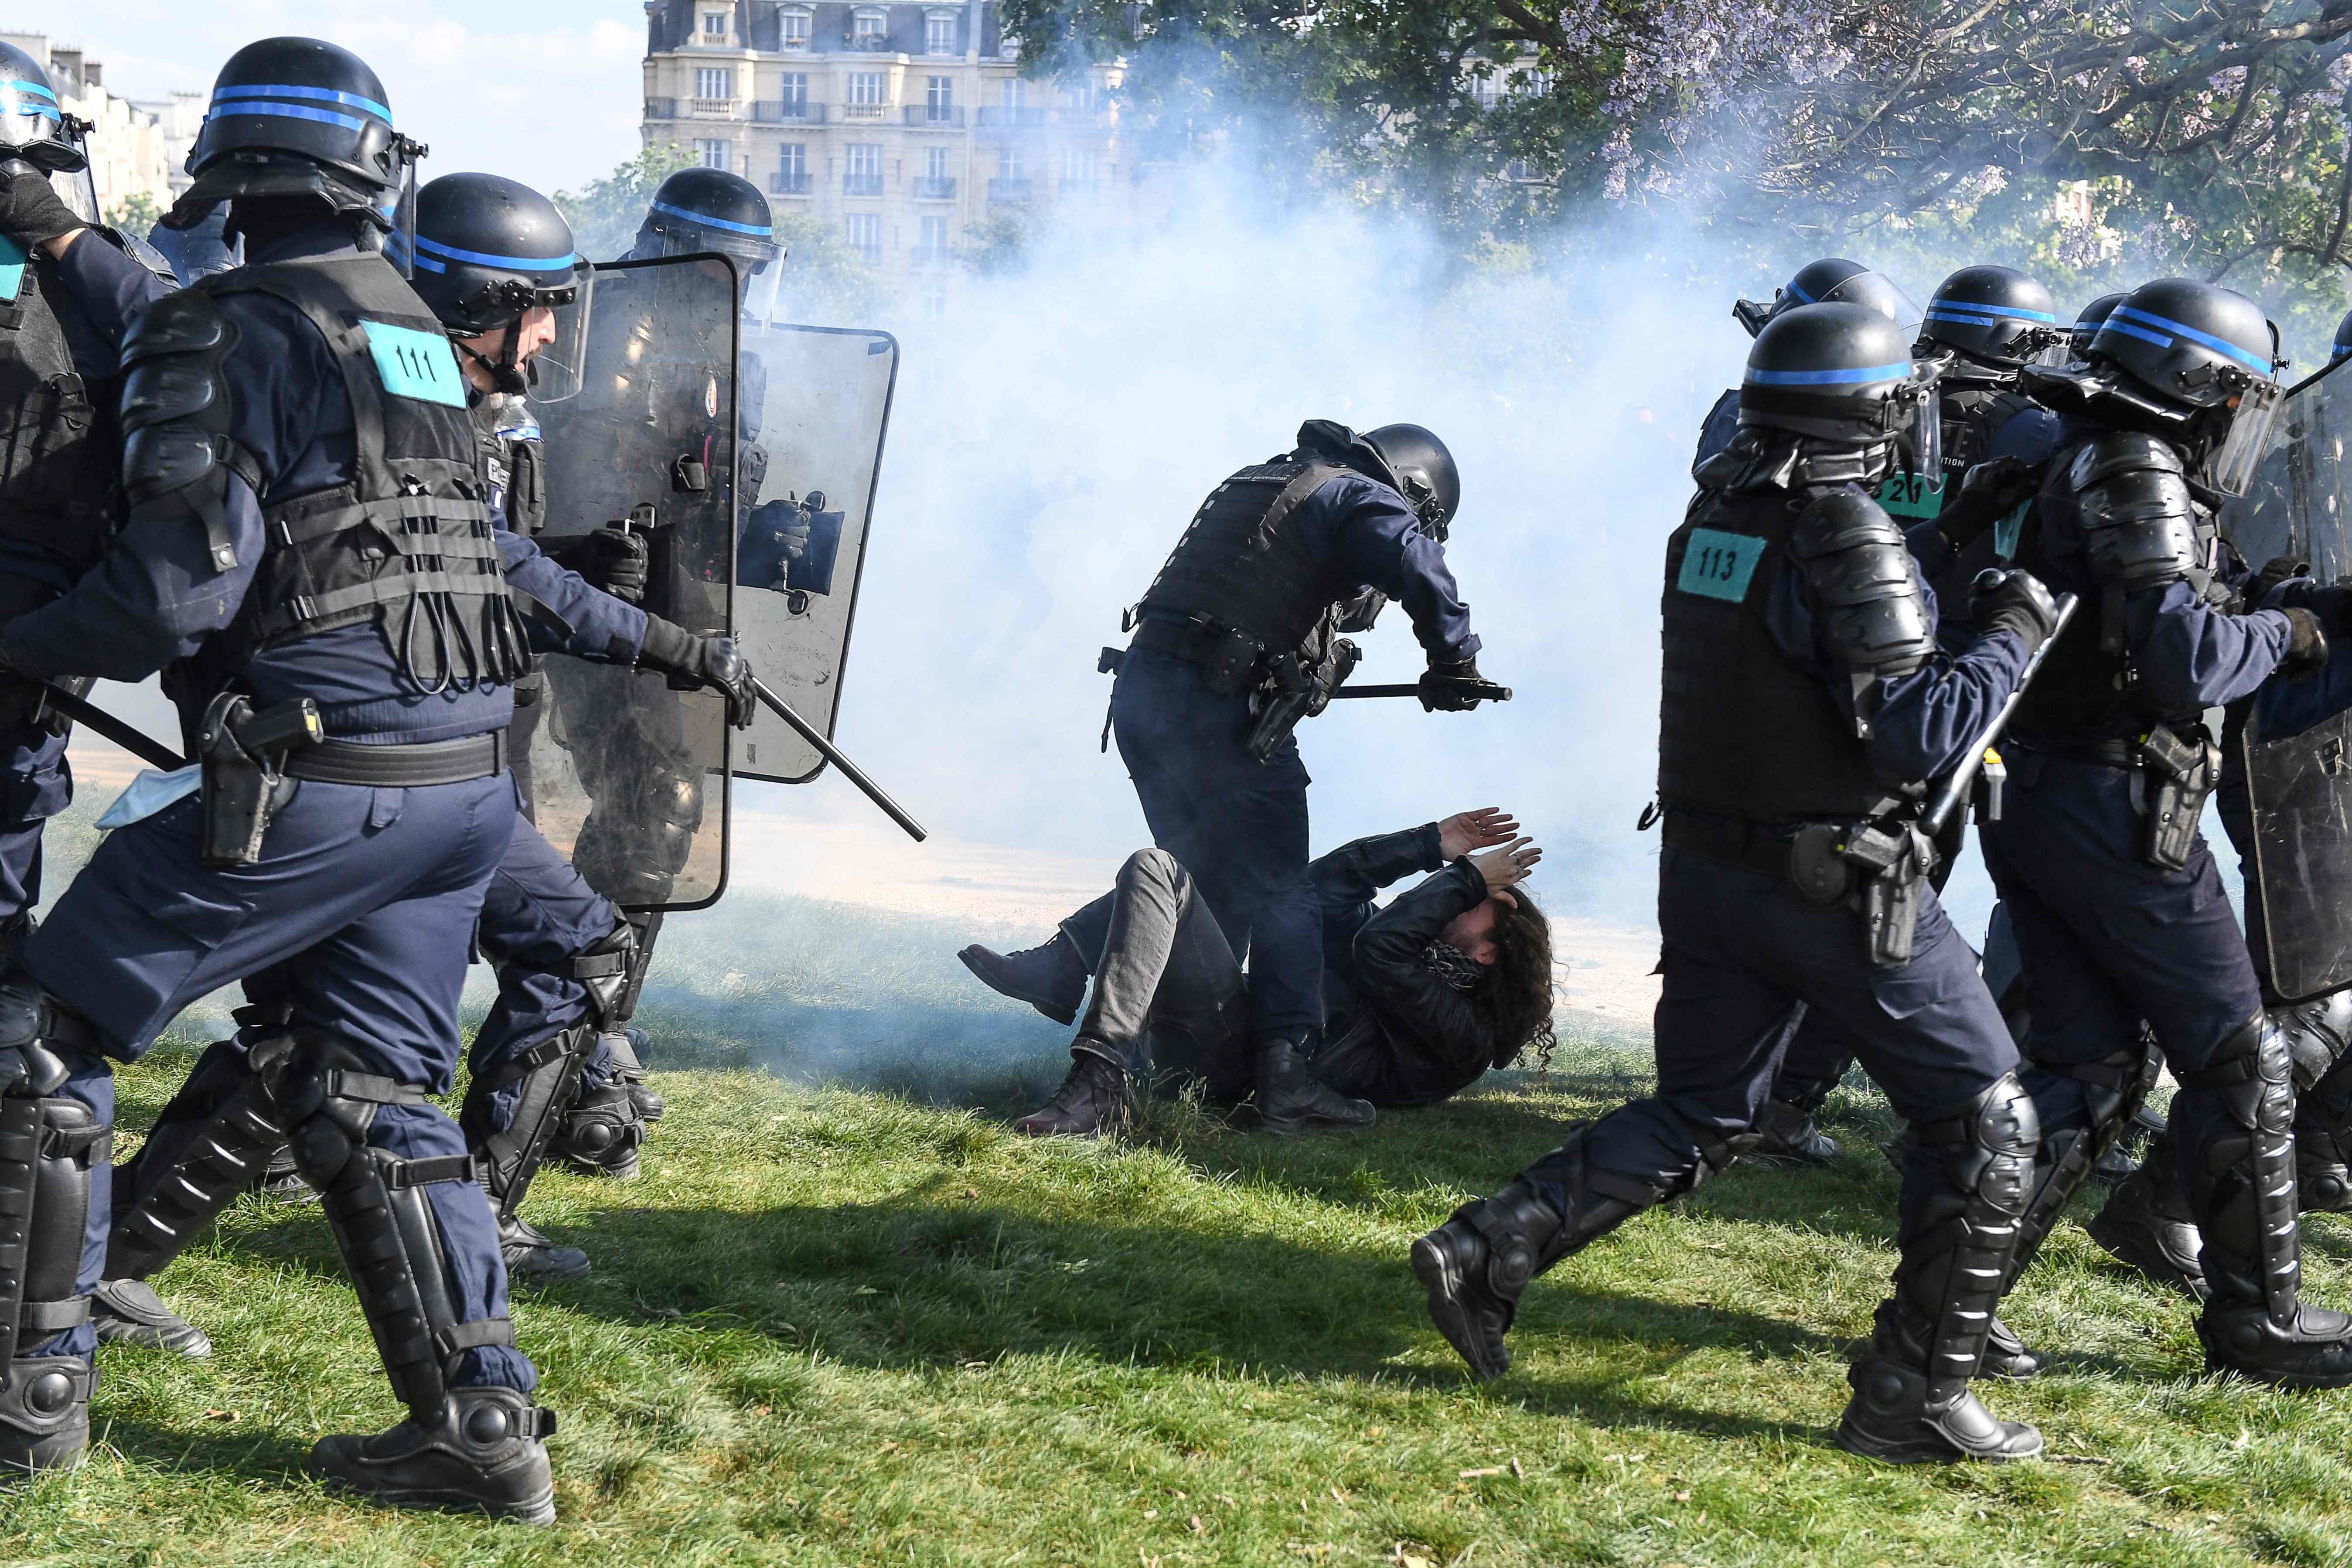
point(2235, 1120)
point(2007, 1357)
point(628, 1048)
point(1476, 1265)
point(531, 1254)
point(482, 1451)
point(472, 1449)
point(1790, 1134)
point(1091, 1098)
point(1290, 1102)
point(601, 1134)
point(1050, 977)
point(2130, 1149)
point(282, 1183)
point(128, 1312)
point(2147, 1223)
point(1962, 1198)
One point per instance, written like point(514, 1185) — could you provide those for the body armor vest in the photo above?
point(1243, 565)
point(59, 474)
point(1741, 730)
point(1974, 416)
point(406, 542)
point(511, 460)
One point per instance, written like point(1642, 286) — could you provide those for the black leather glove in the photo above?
point(2013, 602)
point(696, 661)
point(2307, 648)
point(1443, 687)
point(30, 209)
point(2278, 568)
point(788, 522)
point(619, 563)
point(1989, 492)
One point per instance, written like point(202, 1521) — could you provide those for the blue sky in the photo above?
point(543, 91)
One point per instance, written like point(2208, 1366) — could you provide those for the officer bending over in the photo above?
point(1422, 997)
point(1805, 707)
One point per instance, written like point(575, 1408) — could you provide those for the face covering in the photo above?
point(1454, 966)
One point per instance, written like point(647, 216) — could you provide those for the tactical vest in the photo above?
point(511, 460)
point(1243, 565)
point(60, 459)
point(1741, 730)
point(1973, 416)
point(407, 542)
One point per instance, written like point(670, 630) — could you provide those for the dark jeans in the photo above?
point(1740, 949)
point(1167, 1003)
point(1237, 825)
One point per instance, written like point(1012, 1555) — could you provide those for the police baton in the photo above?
point(82, 711)
point(1964, 777)
point(831, 754)
point(1484, 690)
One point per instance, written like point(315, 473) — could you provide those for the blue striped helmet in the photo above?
point(296, 116)
point(2193, 344)
point(2342, 347)
point(488, 250)
point(1836, 373)
point(2085, 330)
point(709, 209)
point(1996, 316)
point(32, 122)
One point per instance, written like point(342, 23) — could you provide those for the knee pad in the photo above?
point(2318, 1033)
point(546, 1078)
point(1960, 1225)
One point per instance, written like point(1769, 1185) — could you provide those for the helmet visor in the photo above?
point(2253, 421)
point(79, 190)
point(1919, 419)
point(555, 367)
point(32, 125)
point(400, 216)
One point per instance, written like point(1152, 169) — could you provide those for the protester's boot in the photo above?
point(1050, 977)
point(128, 1312)
point(469, 1449)
point(1291, 1102)
point(2233, 1121)
point(1092, 1099)
point(1477, 1264)
point(534, 1255)
point(1963, 1194)
point(628, 1052)
point(2147, 1223)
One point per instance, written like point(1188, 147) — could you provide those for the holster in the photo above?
point(1297, 685)
point(1873, 870)
point(241, 752)
point(2179, 773)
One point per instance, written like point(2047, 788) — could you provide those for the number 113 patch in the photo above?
point(1719, 565)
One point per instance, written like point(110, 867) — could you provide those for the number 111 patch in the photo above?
point(1717, 565)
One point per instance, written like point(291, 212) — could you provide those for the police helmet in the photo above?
point(1832, 280)
point(2193, 344)
point(1996, 316)
point(488, 250)
point(2342, 347)
point(296, 117)
point(1432, 483)
point(709, 209)
point(1843, 374)
point(2087, 325)
point(33, 128)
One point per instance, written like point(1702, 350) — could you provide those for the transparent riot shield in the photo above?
point(820, 426)
point(625, 775)
point(2300, 787)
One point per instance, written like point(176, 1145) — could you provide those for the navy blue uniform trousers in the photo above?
point(1237, 825)
point(1739, 948)
point(360, 911)
point(538, 915)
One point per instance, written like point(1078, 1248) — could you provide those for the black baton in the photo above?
point(831, 754)
point(139, 744)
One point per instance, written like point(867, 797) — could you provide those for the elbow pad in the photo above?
point(176, 408)
point(1858, 573)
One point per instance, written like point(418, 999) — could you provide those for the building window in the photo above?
point(935, 238)
point(1011, 92)
point(870, 28)
point(714, 28)
point(865, 88)
point(792, 169)
point(710, 82)
point(862, 176)
point(1078, 169)
point(1008, 163)
point(935, 303)
point(794, 29)
point(716, 154)
point(794, 95)
point(865, 234)
point(937, 164)
point(939, 97)
point(938, 34)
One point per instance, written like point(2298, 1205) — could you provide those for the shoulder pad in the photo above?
point(2140, 527)
point(188, 321)
point(2121, 452)
point(1859, 572)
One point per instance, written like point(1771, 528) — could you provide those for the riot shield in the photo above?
point(2299, 786)
point(821, 426)
point(624, 774)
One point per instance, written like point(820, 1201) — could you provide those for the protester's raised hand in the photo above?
point(1509, 866)
point(1482, 828)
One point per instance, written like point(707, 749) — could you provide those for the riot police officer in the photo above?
point(1833, 280)
point(2113, 895)
point(1280, 558)
point(1806, 705)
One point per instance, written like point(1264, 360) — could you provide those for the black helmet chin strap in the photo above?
point(504, 374)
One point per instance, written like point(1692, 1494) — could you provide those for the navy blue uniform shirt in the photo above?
point(1362, 530)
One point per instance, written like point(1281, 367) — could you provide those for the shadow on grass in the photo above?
point(248, 1455)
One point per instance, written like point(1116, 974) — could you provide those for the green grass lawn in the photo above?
point(836, 1326)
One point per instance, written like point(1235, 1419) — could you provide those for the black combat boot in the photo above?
point(281, 1182)
point(1050, 977)
point(128, 1312)
point(1093, 1097)
point(1476, 1265)
point(482, 1451)
point(45, 1414)
point(601, 1134)
point(2233, 1121)
point(2007, 1357)
point(2146, 1224)
point(2129, 1149)
point(1290, 1102)
point(1790, 1135)
point(1963, 1193)
point(628, 1047)
point(531, 1254)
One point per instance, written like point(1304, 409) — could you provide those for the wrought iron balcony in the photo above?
point(935, 188)
point(942, 115)
point(788, 112)
point(783, 184)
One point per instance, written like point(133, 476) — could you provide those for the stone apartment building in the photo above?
point(908, 126)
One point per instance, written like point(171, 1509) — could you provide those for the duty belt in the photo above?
point(1187, 640)
point(400, 768)
point(1758, 845)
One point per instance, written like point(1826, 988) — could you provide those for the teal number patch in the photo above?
point(415, 364)
point(1717, 565)
point(1909, 495)
point(2008, 532)
point(12, 270)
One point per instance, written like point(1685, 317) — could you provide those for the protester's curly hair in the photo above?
point(1515, 1002)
